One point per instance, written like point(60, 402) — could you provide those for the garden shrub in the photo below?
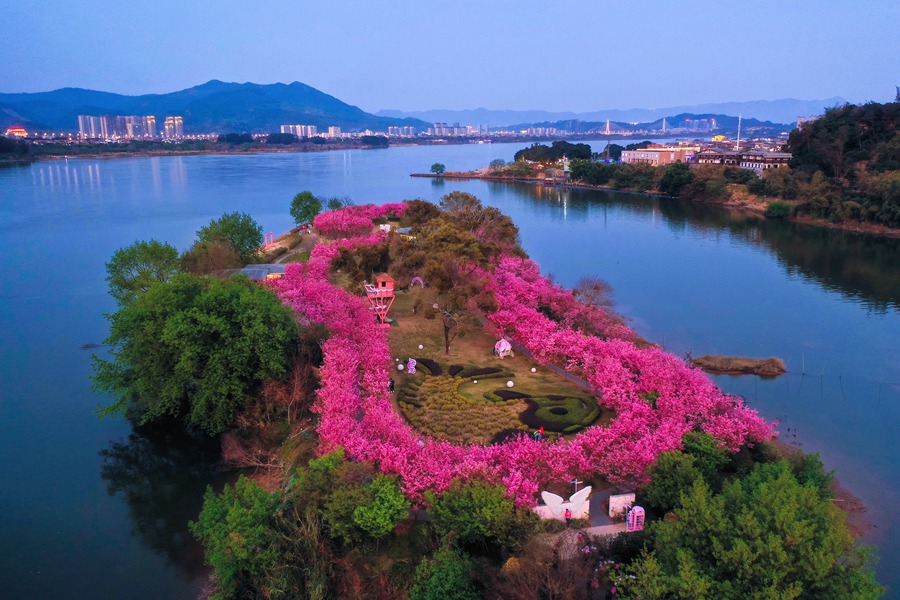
point(434, 368)
point(779, 210)
point(509, 394)
point(483, 372)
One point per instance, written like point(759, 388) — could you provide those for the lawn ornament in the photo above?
point(417, 280)
point(503, 348)
point(411, 366)
point(577, 503)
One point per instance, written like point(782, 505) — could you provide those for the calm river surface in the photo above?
point(90, 510)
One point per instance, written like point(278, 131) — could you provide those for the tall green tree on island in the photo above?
point(767, 535)
point(196, 349)
point(438, 168)
point(237, 231)
point(304, 207)
point(133, 269)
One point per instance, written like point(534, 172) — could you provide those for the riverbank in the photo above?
point(738, 200)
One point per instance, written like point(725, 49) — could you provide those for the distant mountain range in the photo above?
point(778, 111)
point(215, 106)
point(681, 123)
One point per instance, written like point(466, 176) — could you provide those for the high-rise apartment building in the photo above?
point(334, 132)
point(173, 128)
point(109, 127)
point(301, 131)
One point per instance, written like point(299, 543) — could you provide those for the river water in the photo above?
point(90, 509)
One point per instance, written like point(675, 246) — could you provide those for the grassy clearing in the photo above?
point(465, 409)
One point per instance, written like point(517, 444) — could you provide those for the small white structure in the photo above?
point(386, 227)
point(619, 503)
point(554, 507)
point(503, 348)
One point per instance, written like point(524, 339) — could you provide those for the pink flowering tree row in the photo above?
point(355, 220)
point(657, 398)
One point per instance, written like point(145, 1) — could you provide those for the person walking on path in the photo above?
point(568, 515)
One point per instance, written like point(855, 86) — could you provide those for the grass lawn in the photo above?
point(456, 408)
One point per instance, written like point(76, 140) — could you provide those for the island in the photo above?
point(415, 411)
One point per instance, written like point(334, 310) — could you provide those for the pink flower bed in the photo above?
point(355, 220)
point(356, 412)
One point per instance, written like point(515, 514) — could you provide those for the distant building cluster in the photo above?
point(757, 159)
point(659, 155)
point(401, 131)
point(116, 127)
point(443, 130)
point(301, 131)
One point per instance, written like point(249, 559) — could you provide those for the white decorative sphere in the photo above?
point(400, 367)
point(474, 381)
point(396, 360)
point(421, 346)
point(509, 383)
point(533, 370)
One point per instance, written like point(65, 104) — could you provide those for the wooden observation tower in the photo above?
point(381, 296)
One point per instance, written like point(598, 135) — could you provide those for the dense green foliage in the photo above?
point(196, 349)
point(447, 575)
point(554, 152)
point(676, 176)
point(282, 139)
point(477, 514)
point(305, 206)
point(438, 168)
point(133, 269)
point(857, 149)
point(234, 527)
point(375, 141)
point(14, 148)
point(308, 535)
point(765, 535)
point(237, 231)
point(235, 138)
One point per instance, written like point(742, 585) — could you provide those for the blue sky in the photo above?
point(416, 55)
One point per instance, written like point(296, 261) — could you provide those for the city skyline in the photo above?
point(518, 56)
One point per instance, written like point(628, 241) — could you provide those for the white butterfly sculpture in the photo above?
point(557, 504)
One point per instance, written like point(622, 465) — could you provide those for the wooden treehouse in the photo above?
point(381, 297)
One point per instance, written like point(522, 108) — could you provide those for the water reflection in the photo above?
point(863, 268)
point(161, 472)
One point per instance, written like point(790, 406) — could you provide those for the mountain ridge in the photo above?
point(785, 110)
point(212, 106)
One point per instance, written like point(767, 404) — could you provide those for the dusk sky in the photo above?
point(417, 55)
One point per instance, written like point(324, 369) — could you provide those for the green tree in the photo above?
point(764, 536)
point(235, 529)
point(196, 349)
point(710, 458)
point(438, 168)
point(204, 258)
point(671, 474)
point(474, 512)
point(335, 203)
point(133, 269)
point(304, 207)
point(385, 507)
point(447, 575)
point(677, 176)
point(238, 231)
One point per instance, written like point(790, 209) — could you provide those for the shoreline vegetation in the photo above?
point(304, 389)
point(739, 201)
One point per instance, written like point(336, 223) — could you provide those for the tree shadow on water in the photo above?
point(161, 472)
